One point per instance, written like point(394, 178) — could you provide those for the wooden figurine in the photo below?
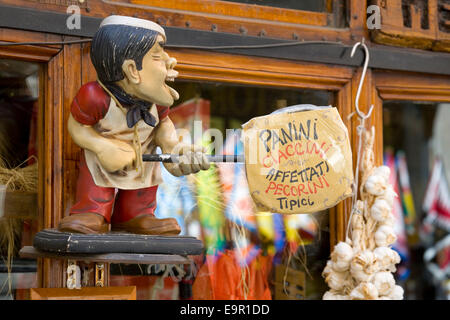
point(118, 118)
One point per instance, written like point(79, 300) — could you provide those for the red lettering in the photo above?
point(322, 153)
point(309, 188)
point(315, 185)
point(314, 147)
point(265, 164)
point(298, 150)
point(301, 188)
point(279, 190)
point(281, 155)
point(325, 180)
point(294, 189)
point(284, 191)
point(272, 185)
point(287, 150)
point(307, 147)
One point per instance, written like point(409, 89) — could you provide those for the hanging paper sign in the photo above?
point(298, 162)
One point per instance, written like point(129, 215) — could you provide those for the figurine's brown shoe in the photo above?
point(147, 224)
point(86, 223)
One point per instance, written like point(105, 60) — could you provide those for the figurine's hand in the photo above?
point(116, 155)
point(192, 159)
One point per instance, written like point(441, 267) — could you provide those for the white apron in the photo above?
point(114, 125)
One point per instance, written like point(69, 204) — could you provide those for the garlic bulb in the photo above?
point(337, 280)
point(387, 258)
point(384, 282)
point(332, 295)
point(382, 171)
point(389, 195)
point(380, 210)
point(361, 267)
point(376, 185)
point(364, 291)
point(364, 265)
point(389, 221)
point(385, 236)
point(396, 293)
point(328, 269)
point(342, 256)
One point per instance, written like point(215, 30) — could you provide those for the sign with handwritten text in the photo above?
point(298, 162)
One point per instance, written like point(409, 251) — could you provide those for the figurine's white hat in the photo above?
point(133, 22)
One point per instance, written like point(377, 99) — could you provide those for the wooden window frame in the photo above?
point(406, 86)
point(412, 86)
point(47, 119)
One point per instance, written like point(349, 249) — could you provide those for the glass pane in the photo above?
point(215, 206)
point(19, 89)
point(416, 145)
point(309, 5)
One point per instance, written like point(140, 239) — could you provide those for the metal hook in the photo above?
point(361, 81)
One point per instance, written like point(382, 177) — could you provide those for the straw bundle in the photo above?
point(19, 179)
point(15, 179)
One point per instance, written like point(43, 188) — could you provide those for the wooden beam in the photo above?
point(242, 10)
point(86, 293)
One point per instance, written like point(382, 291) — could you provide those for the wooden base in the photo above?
point(130, 258)
point(52, 240)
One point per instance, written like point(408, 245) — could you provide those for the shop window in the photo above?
point(416, 148)
point(19, 90)
point(279, 256)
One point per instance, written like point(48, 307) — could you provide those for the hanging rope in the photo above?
point(361, 129)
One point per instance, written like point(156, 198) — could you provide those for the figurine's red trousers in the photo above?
point(127, 204)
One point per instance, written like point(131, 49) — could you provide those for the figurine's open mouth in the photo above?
point(171, 75)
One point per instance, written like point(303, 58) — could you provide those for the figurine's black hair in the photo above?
point(113, 44)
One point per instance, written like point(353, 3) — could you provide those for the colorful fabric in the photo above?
point(300, 230)
point(221, 278)
point(401, 245)
point(239, 206)
point(437, 198)
point(266, 231)
point(210, 209)
point(406, 194)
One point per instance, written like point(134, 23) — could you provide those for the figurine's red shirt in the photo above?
point(91, 104)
